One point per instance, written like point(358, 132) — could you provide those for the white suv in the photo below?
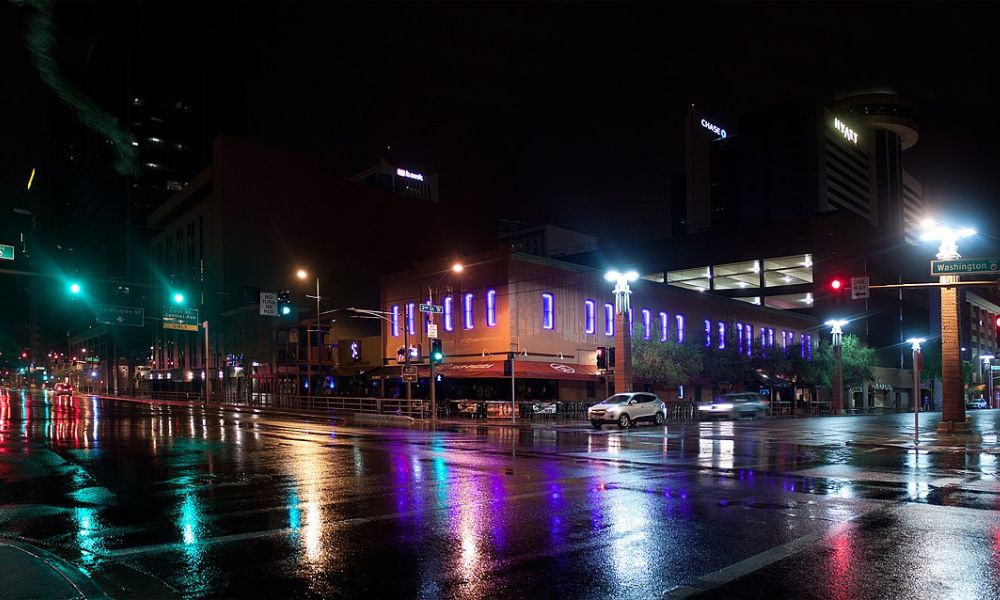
point(628, 408)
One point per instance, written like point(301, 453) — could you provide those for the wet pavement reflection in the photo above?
point(195, 502)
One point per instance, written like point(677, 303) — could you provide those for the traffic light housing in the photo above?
point(284, 303)
point(437, 355)
point(837, 287)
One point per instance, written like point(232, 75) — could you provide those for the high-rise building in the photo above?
point(400, 181)
point(800, 159)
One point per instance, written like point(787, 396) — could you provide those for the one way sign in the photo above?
point(859, 288)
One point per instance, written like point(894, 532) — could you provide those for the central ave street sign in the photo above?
point(6, 252)
point(180, 319)
point(269, 304)
point(127, 316)
point(859, 288)
point(431, 308)
point(966, 266)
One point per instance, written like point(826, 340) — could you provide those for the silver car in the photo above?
point(734, 406)
point(625, 409)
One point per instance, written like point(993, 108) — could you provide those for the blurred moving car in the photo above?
point(734, 406)
point(976, 403)
point(628, 408)
point(64, 389)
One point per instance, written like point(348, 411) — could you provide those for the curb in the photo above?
point(60, 571)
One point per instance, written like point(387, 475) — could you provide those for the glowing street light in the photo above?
point(457, 267)
point(303, 274)
point(953, 419)
point(915, 346)
point(987, 358)
point(836, 328)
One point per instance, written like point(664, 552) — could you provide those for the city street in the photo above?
point(167, 501)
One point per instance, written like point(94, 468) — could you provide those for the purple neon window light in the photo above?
point(491, 308)
point(548, 311)
point(467, 310)
point(589, 317)
point(449, 313)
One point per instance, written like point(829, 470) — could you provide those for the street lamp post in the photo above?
point(836, 326)
point(986, 358)
point(953, 419)
point(915, 346)
point(455, 268)
point(302, 274)
point(623, 336)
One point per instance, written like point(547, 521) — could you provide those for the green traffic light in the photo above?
point(74, 288)
point(178, 298)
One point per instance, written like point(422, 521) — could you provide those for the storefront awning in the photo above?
point(522, 369)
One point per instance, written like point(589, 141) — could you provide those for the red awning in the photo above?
point(553, 370)
point(525, 369)
point(485, 368)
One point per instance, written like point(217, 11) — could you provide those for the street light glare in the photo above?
point(612, 275)
point(301, 274)
point(457, 267)
point(631, 276)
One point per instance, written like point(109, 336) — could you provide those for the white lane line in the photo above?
point(764, 559)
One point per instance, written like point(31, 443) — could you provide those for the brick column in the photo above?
point(953, 418)
point(623, 354)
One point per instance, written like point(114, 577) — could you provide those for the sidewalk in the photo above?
point(30, 572)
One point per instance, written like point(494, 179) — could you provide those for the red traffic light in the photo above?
point(836, 284)
point(998, 322)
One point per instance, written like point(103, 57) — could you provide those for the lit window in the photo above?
point(467, 310)
point(410, 325)
point(664, 327)
point(809, 347)
point(609, 319)
point(589, 316)
point(491, 308)
point(739, 338)
point(449, 313)
point(394, 320)
point(645, 323)
point(548, 311)
point(770, 337)
point(722, 335)
point(708, 333)
point(748, 337)
point(630, 322)
point(680, 328)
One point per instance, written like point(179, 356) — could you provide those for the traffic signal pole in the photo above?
point(433, 394)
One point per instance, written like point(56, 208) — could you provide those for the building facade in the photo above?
point(511, 319)
point(256, 216)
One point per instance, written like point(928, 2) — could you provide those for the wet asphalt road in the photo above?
point(174, 501)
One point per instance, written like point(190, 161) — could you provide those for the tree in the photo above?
point(724, 366)
point(665, 365)
point(857, 361)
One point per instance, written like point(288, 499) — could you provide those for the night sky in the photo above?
point(572, 114)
